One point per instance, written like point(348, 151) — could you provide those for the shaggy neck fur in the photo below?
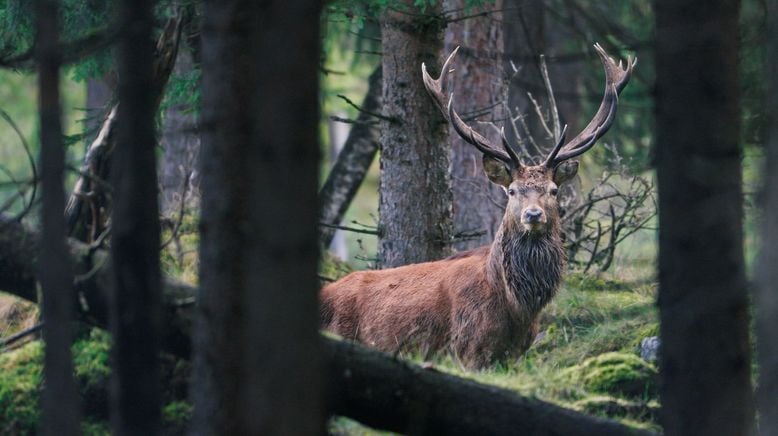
point(528, 265)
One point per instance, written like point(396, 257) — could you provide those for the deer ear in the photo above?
point(496, 171)
point(565, 171)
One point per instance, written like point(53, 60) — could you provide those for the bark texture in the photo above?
point(366, 385)
point(524, 28)
point(479, 89)
point(136, 299)
point(60, 400)
point(257, 360)
point(766, 295)
point(352, 163)
point(703, 302)
point(415, 196)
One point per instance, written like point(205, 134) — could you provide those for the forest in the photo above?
point(438, 217)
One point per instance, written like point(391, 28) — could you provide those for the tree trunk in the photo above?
point(766, 295)
point(352, 163)
point(89, 206)
point(525, 41)
point(362, 384)
point(415, 195)
point(479, 90)
point(257, 358)
point(703, 302)
point(135, 301)
point(181, 144)
point(60, 400)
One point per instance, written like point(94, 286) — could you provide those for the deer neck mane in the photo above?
point(527, 265)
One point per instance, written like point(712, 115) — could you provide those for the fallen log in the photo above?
point(368, 386)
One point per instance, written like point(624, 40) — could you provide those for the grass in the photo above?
point(586, 356)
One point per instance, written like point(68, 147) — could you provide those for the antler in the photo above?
point(616, 78)
point(435, 90)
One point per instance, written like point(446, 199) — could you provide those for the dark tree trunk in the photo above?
point(181, 144)
point(705, 363)
point(363, 384)
point(479, 92)
point(135, 301)
point(60, 399)
point(257, 360)
point(525, 41)
point(766, 295)
point(415, 195)
point(352, 163)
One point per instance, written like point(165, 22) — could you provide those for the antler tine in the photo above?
point(617, 76)
point(435, 86)
point(511, 152)
point(552, 156)
point(589, 142)
point(471, 136)
point(435, 90)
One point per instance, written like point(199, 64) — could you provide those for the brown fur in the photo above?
point(482, 305)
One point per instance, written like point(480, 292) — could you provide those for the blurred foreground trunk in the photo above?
point(60, 402)
point(135, 303)
point(766, 295)
point(703, 300)
point(257, 350)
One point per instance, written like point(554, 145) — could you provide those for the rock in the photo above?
point(649, 348)
point(615, 373)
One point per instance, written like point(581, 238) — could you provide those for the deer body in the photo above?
point(482, 305)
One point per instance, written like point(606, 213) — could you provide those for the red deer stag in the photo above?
point(483, 305)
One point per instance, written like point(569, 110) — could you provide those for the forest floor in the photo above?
point(586, 357)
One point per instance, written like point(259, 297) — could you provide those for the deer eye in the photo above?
point(511, 192)
point(554, 191)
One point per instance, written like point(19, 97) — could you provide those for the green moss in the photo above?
point(20, 382)
point(333, 268)
point(176, 417)
point(615, 373)
point(95, 428)
point(612, 407)
point(91, 357)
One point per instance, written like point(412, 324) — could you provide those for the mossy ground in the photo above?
point(586, 357)
point(583, 359)
point(21, 382)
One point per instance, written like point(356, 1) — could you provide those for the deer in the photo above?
point(482, 305)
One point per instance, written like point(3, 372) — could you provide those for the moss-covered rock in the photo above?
point(20, 384)
point(615, 373)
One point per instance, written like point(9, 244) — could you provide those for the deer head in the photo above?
point(532, 205)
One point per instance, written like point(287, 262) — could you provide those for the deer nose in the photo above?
point(533, 215)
